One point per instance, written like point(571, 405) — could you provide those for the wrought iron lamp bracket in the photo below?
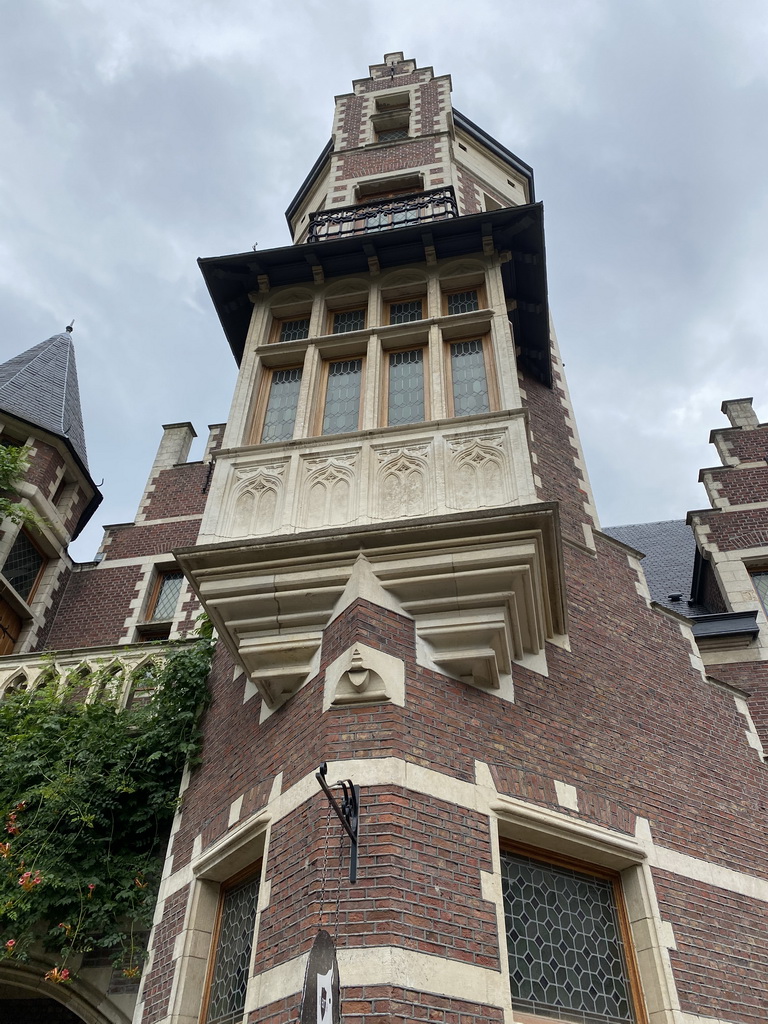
point(348, 813)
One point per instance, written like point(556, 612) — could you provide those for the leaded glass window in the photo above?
point(342, 396)
point(392, 134)
point(406, 387)
point(280, 416)
point(463, 302)
point(405, 312)
point(348, 320)
point(168, 590)
point(564, 942)
point(22, 566)
point(231, 969)
point(469, 380)
point(760, 583)
point(294, 330)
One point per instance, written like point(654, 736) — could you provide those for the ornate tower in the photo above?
point(401, 557)
point(40, 410)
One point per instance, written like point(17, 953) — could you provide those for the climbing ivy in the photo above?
point(14, 462)
point(87, 794)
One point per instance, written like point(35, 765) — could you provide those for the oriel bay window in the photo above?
point(465, 301)
point(568, 942)
point(341, 410)
point(405, 387)
point(291, 329)
point(230, 967)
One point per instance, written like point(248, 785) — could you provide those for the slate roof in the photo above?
point(40, 386)
point(669, 548)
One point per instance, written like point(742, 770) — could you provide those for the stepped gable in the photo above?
point(40, 386)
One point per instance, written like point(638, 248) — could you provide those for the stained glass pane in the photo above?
point(463, 302)
point(470, 386)
point(167, 596)
point(406, 387)
point(349, 320)
point(281, 407)
point(342, 396)
point(566, 956)
point(233, 954)
point(22, 565)
point(294, 330)
point(405, 312)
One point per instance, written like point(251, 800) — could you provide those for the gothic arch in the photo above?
point(77, 1002)
point(329, 492)
point(255, 503)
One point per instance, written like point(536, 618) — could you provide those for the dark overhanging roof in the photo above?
point(517, 229)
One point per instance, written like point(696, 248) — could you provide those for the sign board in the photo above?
point(320, 996)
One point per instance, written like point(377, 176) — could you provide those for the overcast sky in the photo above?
point(138, 136)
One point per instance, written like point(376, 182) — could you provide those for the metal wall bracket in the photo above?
point(348, 813)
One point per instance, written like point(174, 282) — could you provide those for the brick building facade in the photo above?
point(560, 758)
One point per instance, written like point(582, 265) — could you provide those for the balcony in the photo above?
point(383, 214)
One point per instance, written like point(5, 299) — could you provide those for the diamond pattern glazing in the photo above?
point(167, 596)
point(281, 407)
point(566, 956)
point(22, 565)
point(348, 320)
point(233, 954)
point(342, 396)
point(405, 312)
point(294, 330)
point(406, 387)
point(392, 134)
point(760, 583)
point(470, 385)
point(463, 302)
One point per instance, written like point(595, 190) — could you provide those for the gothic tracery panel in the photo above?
point(479, 472)
point(328, 494)
point(404, 481)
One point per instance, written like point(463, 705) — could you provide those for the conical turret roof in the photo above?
point(40, 386)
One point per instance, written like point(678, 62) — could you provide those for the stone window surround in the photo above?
point(544, 831)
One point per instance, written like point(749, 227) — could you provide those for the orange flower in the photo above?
point(131, 972)
point(28, 881)
point(58, 975)
point(10, 944)
point(140, 883)
point(5, 850)
point(91, 887)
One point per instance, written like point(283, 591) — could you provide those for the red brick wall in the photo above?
point(721, 960)
point(158, 983)
point(178, 492)
point(386, 1004)
point(155, 539)
point(380, 160)
point(742, 486)
point(94, 608)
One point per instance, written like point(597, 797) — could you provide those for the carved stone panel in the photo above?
point(364, 675)
point(257, 499)
point(479, 472)
point(329, 491)
point(404, 481)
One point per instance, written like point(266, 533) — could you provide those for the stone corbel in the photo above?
point(473, 646)
point(279, 665)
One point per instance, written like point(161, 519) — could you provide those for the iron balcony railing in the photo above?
point(383, 214)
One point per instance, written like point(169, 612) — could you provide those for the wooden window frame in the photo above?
point(548, 857)
point(423, 298)
point(334, 312)
point(455, 289)
point(317, 424)
point(253, 871)
point(490, 372)
point(262, 400)
point(277, 326)
point(161, 574)
point(40, 572)
point(424, 348)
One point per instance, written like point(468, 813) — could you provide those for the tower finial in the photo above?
point(70, 327)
